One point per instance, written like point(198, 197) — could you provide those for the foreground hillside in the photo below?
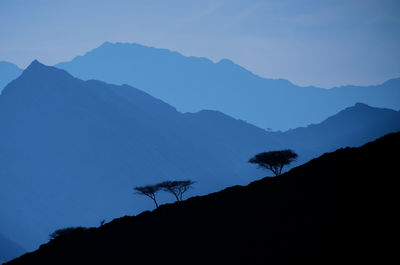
point(336, 208)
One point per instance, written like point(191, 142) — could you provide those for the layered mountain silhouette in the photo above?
point(8, 72)
point(193, 84)
point(335, 209)
point(71, 150)
point(9, 249)
point(352, 126)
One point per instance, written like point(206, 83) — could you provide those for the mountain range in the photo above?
point(192, 84)
point(8, 72)
point(9, 249)
point(338, 208)
point(71, 151)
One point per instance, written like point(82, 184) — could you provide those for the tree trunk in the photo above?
point(155, 202)
point(177, 198)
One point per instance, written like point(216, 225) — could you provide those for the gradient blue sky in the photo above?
point(310, 42)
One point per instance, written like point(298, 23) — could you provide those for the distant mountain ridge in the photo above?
point(9, 249)
point(352, 126)
point(192, 84)
point(75, 149)
point(335, 208)
point(8, 72)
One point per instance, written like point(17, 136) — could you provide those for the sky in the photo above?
point(324, 43)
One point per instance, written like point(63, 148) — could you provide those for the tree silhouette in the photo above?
point(274, 160)
point(149, 191)
point(177, 188)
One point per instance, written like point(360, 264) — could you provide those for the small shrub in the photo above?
point(65, 231)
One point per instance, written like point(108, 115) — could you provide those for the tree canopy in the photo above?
point(274, 160)
point(177, 188)
point(66, 231)
point(149, 191)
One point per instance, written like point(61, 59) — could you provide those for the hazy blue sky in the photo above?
point(310, 42)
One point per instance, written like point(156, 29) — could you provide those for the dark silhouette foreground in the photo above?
point(65, 231)
point(337, 209)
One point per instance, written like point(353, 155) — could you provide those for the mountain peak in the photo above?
point(225, 61)
point(35, 64)
point(359, 109)
point(9, 64)
point(361, 105)
point(8, 72)
point(36, 70)
point(38, 76)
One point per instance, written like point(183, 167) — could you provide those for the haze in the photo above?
point(309, 42)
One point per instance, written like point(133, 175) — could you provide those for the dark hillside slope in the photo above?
point(336, 208)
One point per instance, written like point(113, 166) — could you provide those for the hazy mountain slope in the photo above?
point(352, 126)
point(336, 208)
point(193, 84)
point(8, 72)
point(71, 151)
point(9, 250)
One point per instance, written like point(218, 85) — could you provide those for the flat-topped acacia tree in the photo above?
point(176, 188)
point(274, 160)
point(149, 191)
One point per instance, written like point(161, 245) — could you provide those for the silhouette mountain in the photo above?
point(335, 209)
point(71, 151)
point(352, 126)
point(193, 84)
point(9, 249)
point(8, 72)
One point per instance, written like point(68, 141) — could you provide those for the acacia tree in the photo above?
point(149, 191)
point(177, 188)
point(274, 160)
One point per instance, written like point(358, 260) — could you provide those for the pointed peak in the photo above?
point(36, 70)
point(35, 64)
